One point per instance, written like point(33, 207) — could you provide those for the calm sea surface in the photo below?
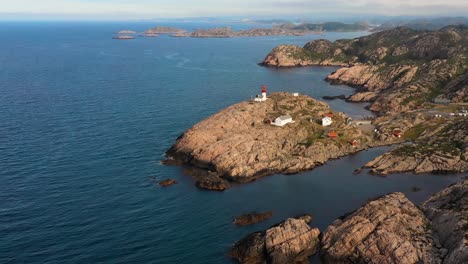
point(85, 120)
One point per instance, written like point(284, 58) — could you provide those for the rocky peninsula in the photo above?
point(389, 229)
point(396, 70)
point(403, 74)
point(239, 143)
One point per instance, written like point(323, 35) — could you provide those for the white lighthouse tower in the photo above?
point(263, 96)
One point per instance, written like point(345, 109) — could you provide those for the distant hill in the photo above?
point(332, 26)
point(396, 70)
point(423, 24)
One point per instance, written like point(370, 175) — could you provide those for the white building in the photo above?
point(263, 96)
point(283, 120)
point(295, 94)
point(326, 121)
point(260, 98)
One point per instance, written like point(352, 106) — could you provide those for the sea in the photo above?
point(85, 121)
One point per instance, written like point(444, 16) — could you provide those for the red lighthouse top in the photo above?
point(264, 90)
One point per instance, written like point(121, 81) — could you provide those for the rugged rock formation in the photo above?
point(239, 144)
point(167, 182)
point(399, 69)
point(440, 146)
point(388, 230)
point(163, 30)
point(227, 32)
point(291, 241)
point(291, 56)
point(252, 218)
point(448, 213)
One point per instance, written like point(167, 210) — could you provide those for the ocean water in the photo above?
point(85, 121)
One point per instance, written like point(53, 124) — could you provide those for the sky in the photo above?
point(151, 9)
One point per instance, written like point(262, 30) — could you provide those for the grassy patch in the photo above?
point(414, 132)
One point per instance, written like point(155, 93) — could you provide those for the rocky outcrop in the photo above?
point(239, 144)
point(167, 182)
point(438, 148)
point(387, 230)
point(252, 218)
point(448, 213)
point(291, 56)
point(402, 68)
point(163, 30)
point(292, 241)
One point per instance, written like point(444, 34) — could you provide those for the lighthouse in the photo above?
point(262, 97)
point(264, 91)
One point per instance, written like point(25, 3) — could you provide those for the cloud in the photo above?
point(181, 8)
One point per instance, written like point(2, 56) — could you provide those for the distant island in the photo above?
point(123, 37)
point(422, 23)
point(286, 29)
point(156, 31)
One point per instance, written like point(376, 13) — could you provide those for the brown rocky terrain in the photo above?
point(227, 32)
point(252, 218)
point(390, 229)
point(167, 182)
point(291, 241)
point(163, 30)
point(279, 30)
point(439, 146)
point(448, 213)
point(239, 144)
point(396, 70)
point(387, 230)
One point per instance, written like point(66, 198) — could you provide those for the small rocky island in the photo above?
point(123, 37)
point(389, 229)
point(245, 141)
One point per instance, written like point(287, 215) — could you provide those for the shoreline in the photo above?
point(207, 171)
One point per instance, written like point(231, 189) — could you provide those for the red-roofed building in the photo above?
point(332, 134)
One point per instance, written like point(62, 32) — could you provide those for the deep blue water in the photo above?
point(85, 120)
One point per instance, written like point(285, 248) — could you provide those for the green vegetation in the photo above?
point(401, 74)
point(414, 132)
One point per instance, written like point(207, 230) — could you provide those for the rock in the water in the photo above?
point(333, 97)
point(212, 184)
point(252, 218)
point(167, 182)
point(448, 213)
point(388, 230)
point(292, 241)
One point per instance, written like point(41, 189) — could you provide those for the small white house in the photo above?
point(295, 94)
point(283, 120)
point(260, 98)
point(326, 121)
